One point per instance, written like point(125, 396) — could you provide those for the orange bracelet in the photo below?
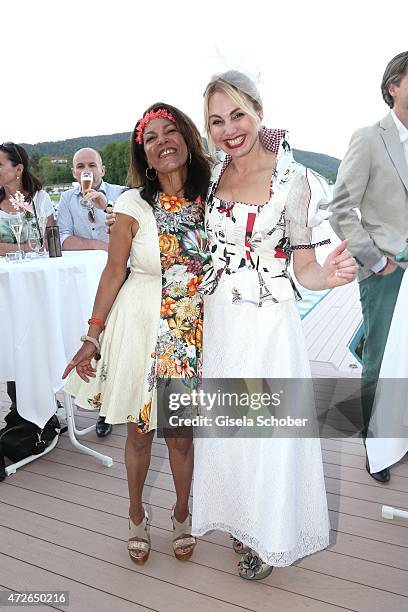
point(98, 322)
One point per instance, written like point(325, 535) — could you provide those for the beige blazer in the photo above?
point(372, 179)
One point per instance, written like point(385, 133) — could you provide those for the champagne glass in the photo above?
point(86, 181)
point(86, 186)
point(16, 223)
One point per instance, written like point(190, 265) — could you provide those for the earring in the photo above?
point(189, 157)
point(151, 178)
point(18, 178)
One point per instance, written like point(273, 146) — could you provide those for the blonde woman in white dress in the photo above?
point(269, 494)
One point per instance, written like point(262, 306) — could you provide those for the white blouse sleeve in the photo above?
point(43, 204)
point(306, 206)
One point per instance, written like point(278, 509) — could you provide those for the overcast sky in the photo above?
point(80, 68)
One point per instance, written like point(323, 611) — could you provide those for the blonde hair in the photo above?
point(233, 83)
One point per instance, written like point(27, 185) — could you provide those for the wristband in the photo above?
point(98, 322)
point(96, 344)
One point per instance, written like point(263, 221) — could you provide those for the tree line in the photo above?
point(115, 156)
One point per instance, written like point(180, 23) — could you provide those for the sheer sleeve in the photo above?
point(306, 205)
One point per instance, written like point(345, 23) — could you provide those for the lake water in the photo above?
point(309, 300)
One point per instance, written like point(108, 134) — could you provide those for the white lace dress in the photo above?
point(268, 493)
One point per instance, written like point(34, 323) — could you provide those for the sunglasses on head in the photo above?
point(11, 147)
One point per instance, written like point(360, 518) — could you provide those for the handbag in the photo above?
point(20, 438)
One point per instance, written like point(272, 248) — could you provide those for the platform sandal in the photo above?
point(183, 541)
point(251, 567)
point(139, 540)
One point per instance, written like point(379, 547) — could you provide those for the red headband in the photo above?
point(160, 113)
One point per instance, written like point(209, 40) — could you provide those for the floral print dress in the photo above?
point(183, 261)
point(154, 329)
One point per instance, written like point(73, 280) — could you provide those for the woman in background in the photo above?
point(15, 176)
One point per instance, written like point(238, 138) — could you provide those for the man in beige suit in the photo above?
point(370, 209)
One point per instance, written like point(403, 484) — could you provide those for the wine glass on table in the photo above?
point(16, 223)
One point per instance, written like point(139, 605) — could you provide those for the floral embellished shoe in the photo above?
point(139, 540)
point(183, 541)
point(238, 546)
point(251, 567)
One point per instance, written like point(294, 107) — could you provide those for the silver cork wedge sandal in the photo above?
point(139, 540)
point(251, 567)
point(183, 541)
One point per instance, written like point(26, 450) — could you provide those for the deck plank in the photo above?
point(22, 576)
point(63, 524)
point(161, 484)
point(388, 554)
point(318, 571)
point(101, 559)
point(122, 581)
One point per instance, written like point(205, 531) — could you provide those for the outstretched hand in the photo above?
point(339, 268)
point(82, 362)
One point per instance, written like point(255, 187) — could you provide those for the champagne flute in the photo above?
point(86, 181)
point(16, 225)
point(86, 186)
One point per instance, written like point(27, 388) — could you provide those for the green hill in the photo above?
point(59, 148)
point(324, 164)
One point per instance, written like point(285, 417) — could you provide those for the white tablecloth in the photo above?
point(44, 307)
point(390, 410)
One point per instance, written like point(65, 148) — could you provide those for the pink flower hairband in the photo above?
point(160, 113)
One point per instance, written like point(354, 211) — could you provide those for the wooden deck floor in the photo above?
point(63, 521)
point(63, 526)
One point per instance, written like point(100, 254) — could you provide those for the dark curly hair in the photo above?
point(198, 170)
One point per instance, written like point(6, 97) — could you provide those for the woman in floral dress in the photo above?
point(152, 324)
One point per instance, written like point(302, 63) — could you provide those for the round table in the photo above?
point(44, 307)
